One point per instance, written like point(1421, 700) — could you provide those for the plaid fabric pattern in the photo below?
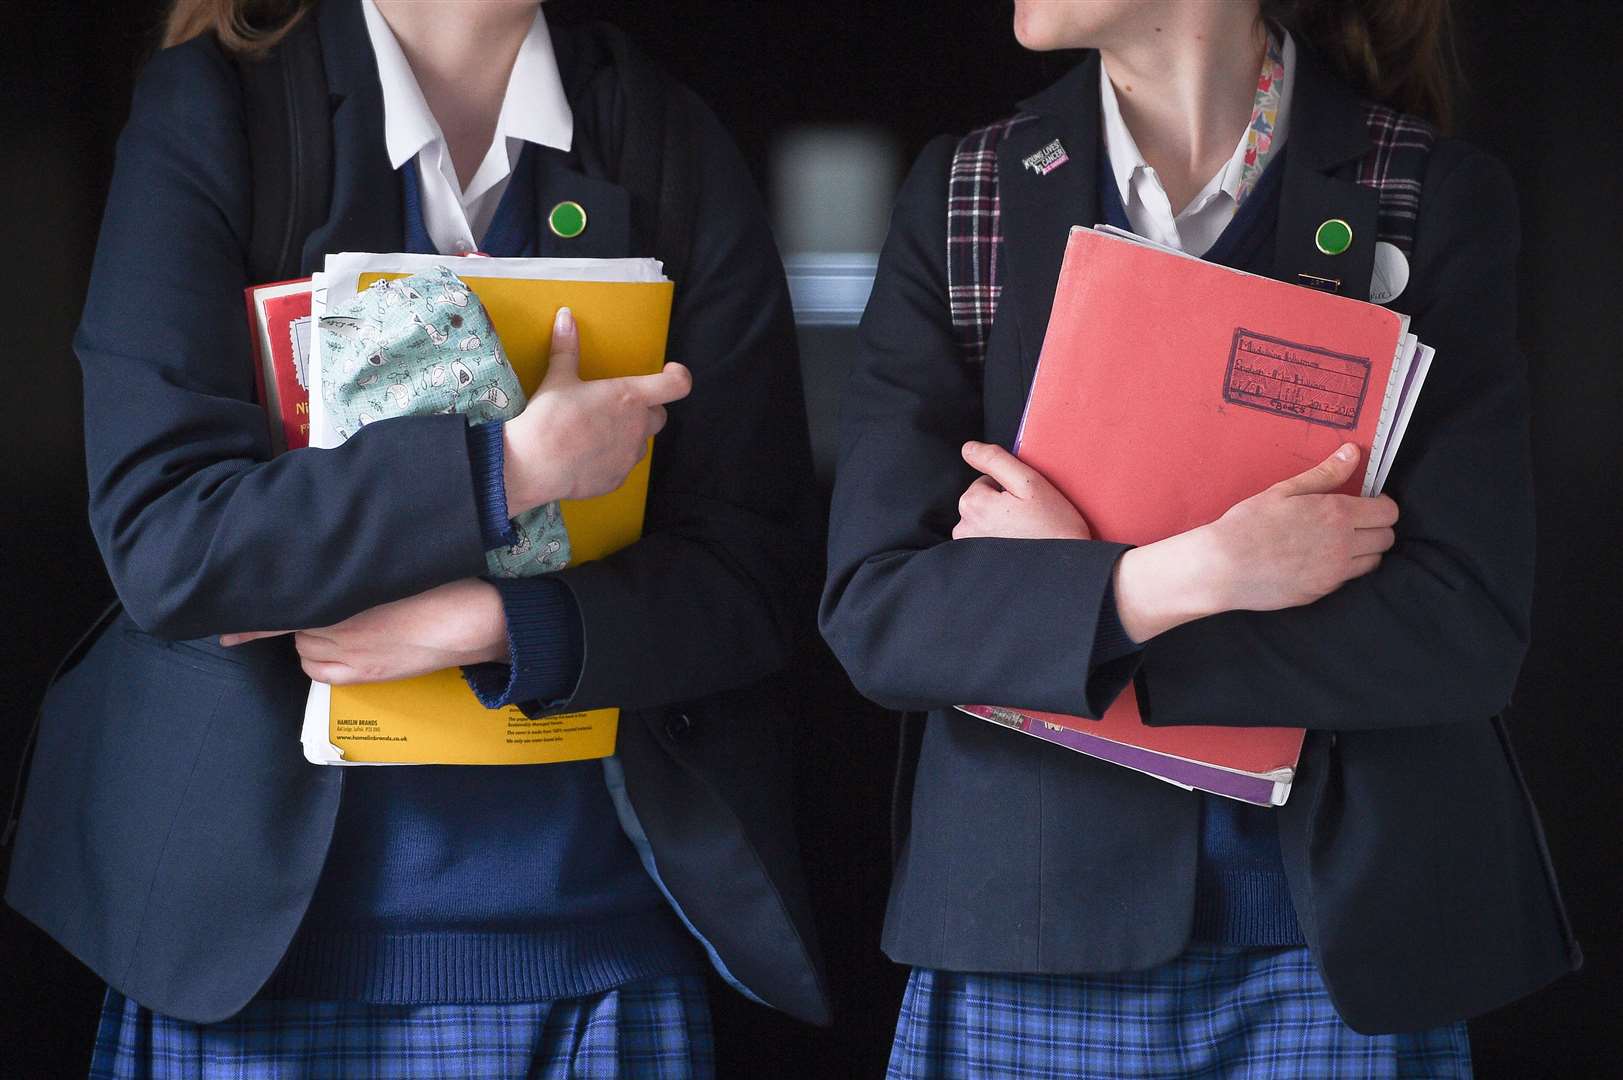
point(1395, 167)
point(655, 1029)
point(974, 236)
point(1215, 1012)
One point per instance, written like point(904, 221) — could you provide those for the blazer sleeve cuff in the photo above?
point(545, 647)
point(1116, 656)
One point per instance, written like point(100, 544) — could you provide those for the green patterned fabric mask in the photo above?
point(424, 345)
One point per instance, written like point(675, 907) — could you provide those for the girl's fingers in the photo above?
point(982, 487)
point(1372, 541)
point(1012, 474)
point(1376, 513)
point(1363, 564)
point(334, 674)
point(229, 640)
point(313, 646)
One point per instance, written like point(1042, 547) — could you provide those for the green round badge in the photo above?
point(1333, 237)
point(568, 219)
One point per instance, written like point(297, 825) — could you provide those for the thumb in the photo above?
point(1326, 476)
point(563, 363)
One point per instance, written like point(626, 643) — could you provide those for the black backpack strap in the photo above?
point(289, 122)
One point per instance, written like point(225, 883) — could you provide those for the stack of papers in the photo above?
point(1169, 389)
point(622, 308)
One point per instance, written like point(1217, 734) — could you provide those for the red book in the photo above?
point(279, 325)
point(1168, 390)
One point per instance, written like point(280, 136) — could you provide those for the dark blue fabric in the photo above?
point(474, 884)
point(544, 641)
point(1241, 896)
point(485, 458)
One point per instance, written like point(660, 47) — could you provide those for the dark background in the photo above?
point(1543, 93)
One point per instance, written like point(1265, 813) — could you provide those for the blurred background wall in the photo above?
point(829, 103)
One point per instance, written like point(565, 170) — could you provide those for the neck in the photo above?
point(1186, 88)
point(462, 55)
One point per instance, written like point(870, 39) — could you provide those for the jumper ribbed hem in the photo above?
point(485, 450)
point(457, 967)
point(1245, 907)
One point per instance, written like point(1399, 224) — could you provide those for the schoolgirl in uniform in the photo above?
point(1062, 916)
point(256, 915)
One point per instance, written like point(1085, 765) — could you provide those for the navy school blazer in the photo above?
point(1415, 859)
point(172, 833)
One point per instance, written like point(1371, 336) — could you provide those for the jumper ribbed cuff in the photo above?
point(1110, 640)
point(544, 646)
point(489, 488)
point(463, 967)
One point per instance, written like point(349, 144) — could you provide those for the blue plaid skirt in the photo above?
point(658, 1029)
point(1213, 1012)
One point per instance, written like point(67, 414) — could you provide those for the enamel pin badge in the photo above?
point(1047, 159)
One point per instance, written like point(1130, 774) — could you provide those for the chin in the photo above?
point(1044, 25)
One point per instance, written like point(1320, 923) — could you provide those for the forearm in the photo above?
point(1164, 585)
point(984, 621)
point(1409, 645)
point(707, 603)
point(202, 539)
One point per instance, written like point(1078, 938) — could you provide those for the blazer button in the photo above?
point(677, 725)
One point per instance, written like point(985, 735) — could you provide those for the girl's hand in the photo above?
point(575, 439)
point(1296, 542)
point(1013, 500)
point(455, 624)
point(1283, 547)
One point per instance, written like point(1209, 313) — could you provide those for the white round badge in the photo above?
point(1390, 276)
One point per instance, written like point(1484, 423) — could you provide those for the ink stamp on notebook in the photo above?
point(1297, 381)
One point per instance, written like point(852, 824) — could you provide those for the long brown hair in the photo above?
point(1397, 52)
point(243, 26)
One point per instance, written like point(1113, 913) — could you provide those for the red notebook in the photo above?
point(279, 324)
point(1168, 390)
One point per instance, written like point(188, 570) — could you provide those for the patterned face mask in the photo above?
point(420, 346)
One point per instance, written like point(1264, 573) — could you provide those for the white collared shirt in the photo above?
point(534, 110)
point(1196, 228)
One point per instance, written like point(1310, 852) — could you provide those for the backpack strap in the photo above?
point(975, 235)
point(1400, 145)
point(289, 121)
point(1395, 167)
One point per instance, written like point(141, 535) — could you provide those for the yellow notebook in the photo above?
point(435, 719)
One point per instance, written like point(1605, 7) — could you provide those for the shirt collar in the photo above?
point(1126, 160)
point(534, 109)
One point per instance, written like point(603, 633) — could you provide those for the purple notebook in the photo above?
point(1267, 790)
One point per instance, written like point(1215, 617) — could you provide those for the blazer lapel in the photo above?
point(366, 213)
point(1327, 131)
point(607, 205)
point(1039, 207)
